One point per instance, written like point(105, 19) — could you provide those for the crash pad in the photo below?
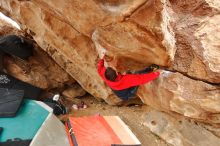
point(25, 125)
point(51, 133)
point(99, 131)
point(10, 101)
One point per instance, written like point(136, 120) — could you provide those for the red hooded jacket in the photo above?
point(126, 81)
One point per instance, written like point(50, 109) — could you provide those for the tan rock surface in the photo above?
point(39, 70)
point(179, 94)
point(91, 13)
point(131, 47)
point(197, 32)
point(179, 132)
point(146, 37)
point(156, 17)
point(74, 91)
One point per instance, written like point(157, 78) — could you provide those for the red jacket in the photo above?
point(128, 80)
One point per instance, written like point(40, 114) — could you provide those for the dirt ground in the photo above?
point(133, 115)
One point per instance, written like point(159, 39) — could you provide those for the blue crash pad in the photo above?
point(25, 125)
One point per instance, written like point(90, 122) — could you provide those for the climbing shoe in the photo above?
point(154, 67)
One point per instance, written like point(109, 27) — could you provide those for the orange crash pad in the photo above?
point(99, 131)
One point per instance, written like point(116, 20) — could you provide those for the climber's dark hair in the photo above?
point(110, 74)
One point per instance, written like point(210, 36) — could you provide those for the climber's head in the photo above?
point(110, 74)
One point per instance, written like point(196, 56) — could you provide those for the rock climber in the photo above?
point(126, 86)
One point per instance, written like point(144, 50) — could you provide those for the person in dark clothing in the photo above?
point(126, 86)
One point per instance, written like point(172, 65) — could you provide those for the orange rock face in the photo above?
point(181, 36)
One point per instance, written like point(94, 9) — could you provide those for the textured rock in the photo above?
point(179, 132)
point(209, 35)
point(135, 34)
point(22, 71)
point(142, 40)
point(6, 28)
point(197, 34)
point(125, 41)
point(91, 13)
point(156, 17)
point(74, 91)
point(177, 93)
point(214, 3)
point(39, 70)
point(215, 129)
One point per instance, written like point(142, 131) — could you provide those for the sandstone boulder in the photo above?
point(91, 13)
point(197, 31)
point(179, 94)
point(40, 70)
point(179, 132)
point(131, 47)
point(144, 38)
point(74, 91)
